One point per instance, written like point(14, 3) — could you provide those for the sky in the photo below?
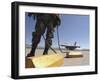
point(73, 28)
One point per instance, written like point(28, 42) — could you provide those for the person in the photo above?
point(44, 23)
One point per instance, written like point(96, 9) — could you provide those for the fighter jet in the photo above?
point(71, 47)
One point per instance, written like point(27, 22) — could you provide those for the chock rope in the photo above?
point(59, 41)
point(49, 44)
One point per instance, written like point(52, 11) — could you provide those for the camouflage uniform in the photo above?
point(44, 22)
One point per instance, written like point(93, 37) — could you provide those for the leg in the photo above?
point(49, 36)
point(36, 36)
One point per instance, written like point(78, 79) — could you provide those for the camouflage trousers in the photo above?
point(42, 26)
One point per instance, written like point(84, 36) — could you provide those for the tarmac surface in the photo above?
point(79, 61)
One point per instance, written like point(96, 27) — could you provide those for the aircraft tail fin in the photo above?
point(75, 43)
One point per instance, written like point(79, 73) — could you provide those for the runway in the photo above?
point(67, 61)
